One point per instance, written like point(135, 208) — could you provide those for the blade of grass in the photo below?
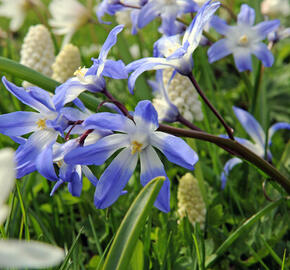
point(237, 233)
point(127, 235)
point(67, 257)
point(24, 215)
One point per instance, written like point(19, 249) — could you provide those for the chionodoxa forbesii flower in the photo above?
point(136, 137)
point(243, 40)
point(170, 52)
point(257, 134)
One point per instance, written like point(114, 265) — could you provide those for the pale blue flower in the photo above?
point(92, 79)
point(135, 138)
point(45, 125)
point(171, 52)
point(168, 10)
point(243, 40)
point(257, 134)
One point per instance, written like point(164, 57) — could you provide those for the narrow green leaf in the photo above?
point(246, 225)
point(36, 78)
point(67, 257)
point(127, 235)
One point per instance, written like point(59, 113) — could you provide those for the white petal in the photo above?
point(22, 254)
point(7, 173)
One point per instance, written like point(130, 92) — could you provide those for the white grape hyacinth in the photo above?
point(17, 253)
point(66, 63)
point(67, 17)
point(16, 10)
point(37, 51)
point(190, 201)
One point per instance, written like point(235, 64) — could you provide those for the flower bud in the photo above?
point(190, 201)
point(37, 51)
point(66, 63)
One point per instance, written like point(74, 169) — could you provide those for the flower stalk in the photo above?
point(228, 129)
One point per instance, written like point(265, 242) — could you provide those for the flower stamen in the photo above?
point(136, 147)
point(41, 124)
point(243, 40)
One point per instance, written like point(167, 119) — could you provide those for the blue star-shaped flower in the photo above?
point(243, 40)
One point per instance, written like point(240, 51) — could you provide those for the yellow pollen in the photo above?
point(41, 123)
point(59, 163)
point(243, 40)
point(80, 72)
point(136, 147)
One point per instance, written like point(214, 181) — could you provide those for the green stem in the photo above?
point(25, 73)
point(235, 147)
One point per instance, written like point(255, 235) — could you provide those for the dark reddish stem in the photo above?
point(228, 129)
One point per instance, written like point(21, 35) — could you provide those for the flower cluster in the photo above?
point(190, 201)
point(65, 138)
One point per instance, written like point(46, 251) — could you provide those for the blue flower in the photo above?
point(256, 132)
point(243, 40)
point(45, 125)
point(168, 10)
point(111, 7)
point(135, 138)
point(91, 79)
point(170, 52)
point(71, 174)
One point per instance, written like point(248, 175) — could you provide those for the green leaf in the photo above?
point(237, 233)
point(127, 235)
point(137, 260)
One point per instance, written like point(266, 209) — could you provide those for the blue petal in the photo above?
point(42, 96)
point(76, 184)
point(26, 154)
point(193, 33)
point(276, 127)
point(18, 123)
point(97, 153)
point(228, 166)
point(186, 6)
point(115, 178)
point(251, 125)
point(148, 13)
point(111, 121)
point(243, 60)
point(219, 25)
point(151, 167)
point(218, 50)
point(110, 42)
point(145, 115)
point(147, 64)
point(115, 69)
point(247, 15)
point(263, 53)
point(88, 173)
point(67, 92)
point(169, 24)
point(44, 164)
point(26, 97)
point(56, 186)
point(175, 149)
point(264, 28)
